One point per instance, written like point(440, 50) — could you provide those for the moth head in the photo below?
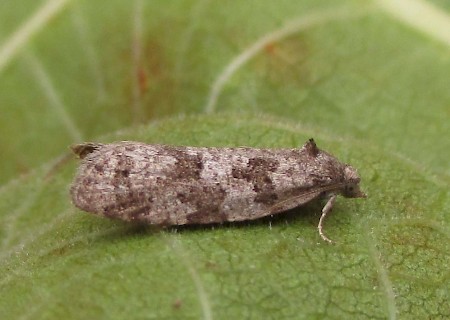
point(351, 187)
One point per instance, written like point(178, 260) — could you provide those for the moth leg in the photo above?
point(326, 209)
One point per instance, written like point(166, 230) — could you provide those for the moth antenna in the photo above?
point(326, 209)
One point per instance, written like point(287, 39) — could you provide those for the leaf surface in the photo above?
point(371, 88)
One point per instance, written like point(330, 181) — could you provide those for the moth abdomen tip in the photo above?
point(81, 150)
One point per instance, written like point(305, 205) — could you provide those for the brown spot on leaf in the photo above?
point(177, 304)
point(142, 80)
point(284, 62)
point(152, 82)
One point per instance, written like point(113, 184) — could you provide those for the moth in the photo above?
point(178, 185)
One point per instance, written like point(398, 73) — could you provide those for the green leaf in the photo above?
point(368, 84)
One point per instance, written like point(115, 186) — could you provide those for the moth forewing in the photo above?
point(173, 185)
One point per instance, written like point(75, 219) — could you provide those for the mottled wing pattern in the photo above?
point(170, 185)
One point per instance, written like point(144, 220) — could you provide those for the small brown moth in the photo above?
point(175, 185)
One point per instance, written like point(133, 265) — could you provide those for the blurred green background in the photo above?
point(369, 80)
